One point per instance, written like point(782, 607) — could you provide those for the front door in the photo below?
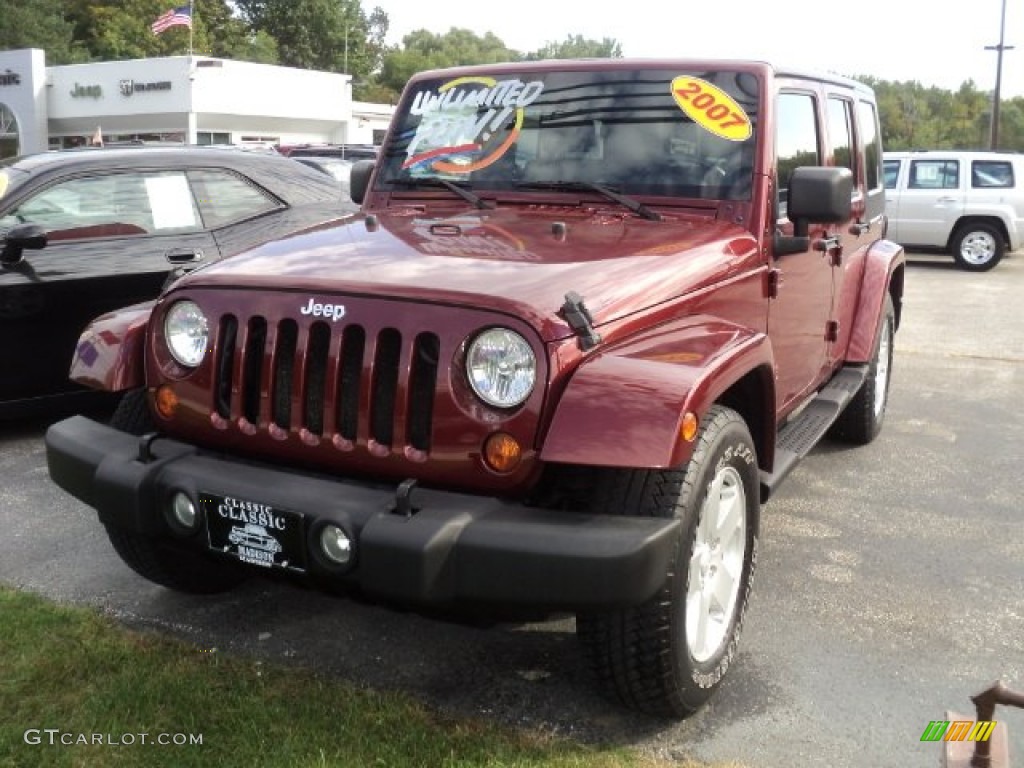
point(801, 309)
point(108, 238)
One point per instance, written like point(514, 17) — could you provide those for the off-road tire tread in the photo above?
point(132, 414)
point(630, 650)
point(857, 424)
point(179, 570)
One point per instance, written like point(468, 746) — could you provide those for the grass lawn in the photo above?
point(70, 677)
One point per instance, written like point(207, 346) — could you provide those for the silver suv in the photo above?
point(968, 203)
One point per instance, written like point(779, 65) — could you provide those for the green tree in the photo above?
point(40, 24)
point(329, 35)
point(579, 47)
point(422, 50)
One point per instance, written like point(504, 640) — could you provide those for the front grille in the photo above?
point(375, 387)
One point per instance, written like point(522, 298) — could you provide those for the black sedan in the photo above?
point(84, 232)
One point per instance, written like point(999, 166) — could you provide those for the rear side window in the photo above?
point(796, 140)
point(840, 131)
point(225, 198)
point(868, 122)
point(991, 174)
point(934, 174)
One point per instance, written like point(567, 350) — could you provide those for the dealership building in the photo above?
point(191, 99)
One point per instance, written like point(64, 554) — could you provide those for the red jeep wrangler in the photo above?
point(590, 315)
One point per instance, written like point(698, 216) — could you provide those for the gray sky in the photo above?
point(936, 42)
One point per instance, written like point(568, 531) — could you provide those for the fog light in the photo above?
point(184, 510)
point(502, 452)
point(335, 544)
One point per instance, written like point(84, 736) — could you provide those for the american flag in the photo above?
point(176, 16)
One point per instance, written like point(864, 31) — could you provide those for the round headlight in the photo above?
point(502, 368)
point(187, 333)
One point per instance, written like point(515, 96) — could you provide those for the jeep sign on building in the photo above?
point(590, 315)
point(189, 99)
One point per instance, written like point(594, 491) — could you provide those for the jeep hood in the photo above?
point(517, 260)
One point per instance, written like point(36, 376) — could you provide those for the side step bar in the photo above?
point(801, 434)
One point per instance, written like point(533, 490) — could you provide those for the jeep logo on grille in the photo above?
point(333, 311)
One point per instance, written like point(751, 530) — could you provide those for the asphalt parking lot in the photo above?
point(890, 585)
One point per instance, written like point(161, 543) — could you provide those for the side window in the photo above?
point(112, 205)
point(796, 139)
point(868, 121)
point(892, 173)
point(992, 174)
point(934, 174)
point(225, 198)
point(840, 132)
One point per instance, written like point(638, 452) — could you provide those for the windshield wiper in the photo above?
point(459, 189)
point(588, 186)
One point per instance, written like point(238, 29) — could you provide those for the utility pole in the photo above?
point(993, 141)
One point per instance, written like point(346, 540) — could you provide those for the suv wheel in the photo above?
point(180, 570)
point(667, 656)
point(861, 420)
point(977, 247)
point(132, 414)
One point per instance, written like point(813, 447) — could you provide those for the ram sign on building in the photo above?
point(188, 99)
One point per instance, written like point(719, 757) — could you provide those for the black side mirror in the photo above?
point(820, 195)
point(18, 239)
point(359, 181)
point(816, 194)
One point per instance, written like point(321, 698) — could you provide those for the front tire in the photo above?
point(132, 414)
point(180, 570)
point(977, 247)
point(670, 654)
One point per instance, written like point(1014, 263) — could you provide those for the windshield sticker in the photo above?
point(711, 108)
point(462, 125)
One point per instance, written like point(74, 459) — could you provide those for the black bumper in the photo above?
point(453, 548)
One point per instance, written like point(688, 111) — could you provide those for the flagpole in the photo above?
point(191, 26)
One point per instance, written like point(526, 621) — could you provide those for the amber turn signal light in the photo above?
point(502, 452)
point(166, 401)
point(688, 429)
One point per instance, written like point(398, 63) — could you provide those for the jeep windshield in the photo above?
point(640, 132)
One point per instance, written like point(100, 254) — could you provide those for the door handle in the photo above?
point(183, 255)
point(947, 200)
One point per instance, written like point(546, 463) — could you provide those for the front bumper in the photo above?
point(453, 548)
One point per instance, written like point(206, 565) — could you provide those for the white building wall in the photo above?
point(183, 96)
point(22, 91)
point(119, 97)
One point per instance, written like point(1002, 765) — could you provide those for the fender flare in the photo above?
point(110, 352)
point(624, 407)
point(883, 274)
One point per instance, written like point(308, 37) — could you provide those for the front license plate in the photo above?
point(254, 532)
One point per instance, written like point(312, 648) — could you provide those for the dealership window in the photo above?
point(205, 138)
